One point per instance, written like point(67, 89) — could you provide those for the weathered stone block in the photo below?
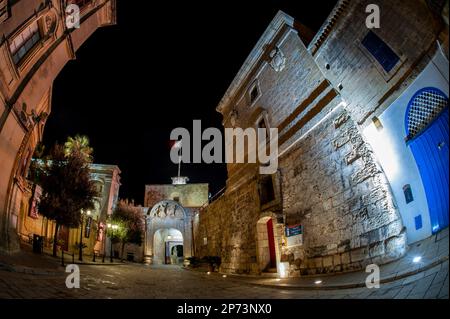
point(352, 157)
point(375, 236)
point(336, 259)
point(359, 254)
point(341, 119)
point(318, 262)
point(376, 249)
point(328, 261)
point(392, 229)
point(364, 239)
point(345, 258)
point(344, 246)
point(340, 141)
point(396, 246)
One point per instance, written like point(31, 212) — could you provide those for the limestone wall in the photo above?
point(329, 180)
point(332, 185)
point(408, 27)
point(229, 227)
point(188, 195)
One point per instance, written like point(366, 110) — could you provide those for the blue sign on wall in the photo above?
point(294, 230)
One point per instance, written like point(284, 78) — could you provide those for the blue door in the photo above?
point(428, 137)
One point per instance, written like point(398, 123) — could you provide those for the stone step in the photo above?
point(270, 272)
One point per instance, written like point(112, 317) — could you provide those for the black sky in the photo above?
point(161, 67)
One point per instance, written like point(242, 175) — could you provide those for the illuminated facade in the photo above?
point(30, 222)
point(171, 219)
point(355, 110)
point(35, 45)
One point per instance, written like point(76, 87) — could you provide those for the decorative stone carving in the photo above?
point(277, 59)
point(24, 116)
point(166, 209)
point(233, 118)
point(340, 120)
point(49, 23)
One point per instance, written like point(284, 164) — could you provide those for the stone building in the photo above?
point(30, 222)
point(171, 221)
point(354, 108)
point(35, 45)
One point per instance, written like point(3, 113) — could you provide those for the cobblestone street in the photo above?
point(140, 281)
point(273, 152)
point(27, 275)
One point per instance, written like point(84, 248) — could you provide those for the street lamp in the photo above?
point(80, 255)
point(105, 233)
point(113, 228)
point(109, 230)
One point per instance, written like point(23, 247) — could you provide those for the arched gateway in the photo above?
point(168, 233)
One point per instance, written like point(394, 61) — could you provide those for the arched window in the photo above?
point(423, 108)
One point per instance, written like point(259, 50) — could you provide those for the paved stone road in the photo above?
point(26, 275)
point(140, 281)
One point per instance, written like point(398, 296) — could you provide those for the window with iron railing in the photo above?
point(24, 42)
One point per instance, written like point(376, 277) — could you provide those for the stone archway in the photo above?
point(164, 219)
point(168, 246)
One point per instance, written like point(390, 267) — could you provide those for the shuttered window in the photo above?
point(380, 51)
point(24, 42)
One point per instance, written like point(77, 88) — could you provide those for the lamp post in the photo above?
point(113, 228)
point(109, 230)
point(105, 233)
point(80, 256)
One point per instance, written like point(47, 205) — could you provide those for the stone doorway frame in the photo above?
point(167, 214)
point(166, 245)
point(262, 244)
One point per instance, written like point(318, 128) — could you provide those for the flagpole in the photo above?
point(179, 161)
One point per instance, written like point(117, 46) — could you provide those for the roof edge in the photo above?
point(280, 19)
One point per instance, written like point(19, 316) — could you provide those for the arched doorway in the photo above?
point(266, 245)
point(168, 247)
point(427, 130)
point(168, 233)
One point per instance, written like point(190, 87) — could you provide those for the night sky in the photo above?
point(161, 67)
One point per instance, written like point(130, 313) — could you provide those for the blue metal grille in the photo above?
point(424, 107)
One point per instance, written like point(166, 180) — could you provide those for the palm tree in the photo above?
point(67, 189)
point(79, 143)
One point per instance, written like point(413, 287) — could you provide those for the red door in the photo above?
point(273, 260)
